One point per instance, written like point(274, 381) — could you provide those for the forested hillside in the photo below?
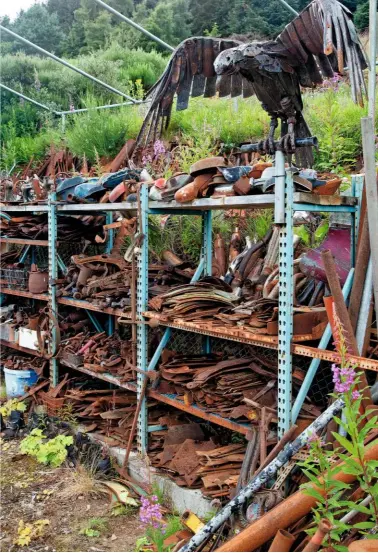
point(74, 27)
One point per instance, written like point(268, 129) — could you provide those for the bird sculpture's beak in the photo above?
point(225, 63)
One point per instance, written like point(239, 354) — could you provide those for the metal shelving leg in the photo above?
point(142, 329)
point(53, 275)
point(207, 256)
point(285, 311)
point(108, 249)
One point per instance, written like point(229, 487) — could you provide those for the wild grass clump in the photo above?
point(336, 121)
point(98, 133)
point(80, 481)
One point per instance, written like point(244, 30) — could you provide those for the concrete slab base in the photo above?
point(177, 498)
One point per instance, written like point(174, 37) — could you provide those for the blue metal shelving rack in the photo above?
point(204, 207)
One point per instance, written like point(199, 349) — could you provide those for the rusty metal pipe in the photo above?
point(283, 541)
point(322, 531)
point(285, 514)
point(342, 313)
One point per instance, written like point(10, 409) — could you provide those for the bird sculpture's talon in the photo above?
point(271, 146)
point(261, 147)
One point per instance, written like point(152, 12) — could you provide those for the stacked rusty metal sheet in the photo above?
point(234, 388)
point(192, 460)
point(35, 227)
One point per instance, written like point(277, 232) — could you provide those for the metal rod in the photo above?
point(106, 106)
point(311, 372)
point(257, 482)
point(292, 10)
point(66, 64)
point(43, 106)
point(342, 313)
point(368, 139)
point(299, 143)
point(349, 516)
point(279, 188)
point(364, 314)
point(139, 27)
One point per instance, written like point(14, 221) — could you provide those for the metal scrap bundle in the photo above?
point(238, 389)
point(193, 461)
point(221, 386)
point(99, 353)
point(200, 300)
point(35, 227)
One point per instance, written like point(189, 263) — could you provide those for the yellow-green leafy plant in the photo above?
point(12, 405)
point(49, 452)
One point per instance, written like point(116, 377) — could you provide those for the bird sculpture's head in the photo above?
point(227, 62)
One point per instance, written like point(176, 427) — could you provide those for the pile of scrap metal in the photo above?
point(110, 187)
point(193, 461)
point(242, 389)
point(20, 362)
point(35, 227)
point(106, 279)
point(103, 279)
point(242, 296)
point(99, 353)
point(215, 177)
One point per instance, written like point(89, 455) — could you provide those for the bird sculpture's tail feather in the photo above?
point(303, 156)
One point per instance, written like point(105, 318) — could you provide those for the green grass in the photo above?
point(202, 130)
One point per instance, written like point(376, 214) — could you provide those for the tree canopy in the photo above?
point(74, 27)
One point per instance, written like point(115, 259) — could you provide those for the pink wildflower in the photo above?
point(343, 378)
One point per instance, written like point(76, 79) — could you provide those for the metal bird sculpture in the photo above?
point(318, 44)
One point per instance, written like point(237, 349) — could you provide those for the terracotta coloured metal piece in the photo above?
point(323, 529)
point(283, 541)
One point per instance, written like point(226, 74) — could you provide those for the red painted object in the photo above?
point(338, 241)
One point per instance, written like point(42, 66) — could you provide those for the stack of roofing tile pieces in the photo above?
point(233, 388)
point(196, 462)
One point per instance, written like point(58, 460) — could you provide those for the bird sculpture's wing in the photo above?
point(190, 72)
point(322, 42)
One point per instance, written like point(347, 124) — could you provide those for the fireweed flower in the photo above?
point(343, 378)
point(150, 513)
point(313, 438)
point(159, 148)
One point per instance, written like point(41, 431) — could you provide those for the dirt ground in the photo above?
point(32, 492)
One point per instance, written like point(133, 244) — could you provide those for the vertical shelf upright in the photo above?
point(285, 310)
point(142, 329)
point(53, 275)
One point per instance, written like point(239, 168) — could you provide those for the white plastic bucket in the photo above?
point(15, 381)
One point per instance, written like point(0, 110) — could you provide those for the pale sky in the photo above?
point(12, 7)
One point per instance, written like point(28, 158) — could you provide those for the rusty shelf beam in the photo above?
point(23, 293)
point(257, 201)
point(269, 342)
point(334, 357)
point(13, 345)
point(23, 241)
point(81, 304)
point(171, 399)
point(107, 377)
point(24, 208)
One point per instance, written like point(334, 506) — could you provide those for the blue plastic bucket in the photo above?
point(15, 381)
